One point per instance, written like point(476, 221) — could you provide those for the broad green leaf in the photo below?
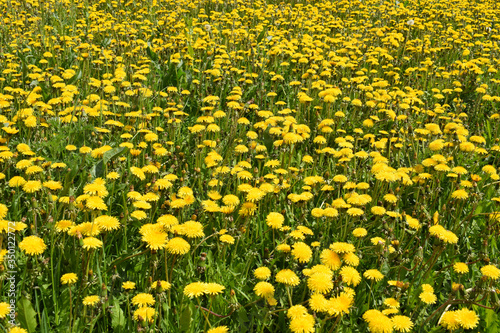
point(113, 153)
point(27, 315)
point(185, 320)
point(261, 36)
point(97, 170)
point(117, 316)
point(243, 320)
point(190, 51)
point(491, 321)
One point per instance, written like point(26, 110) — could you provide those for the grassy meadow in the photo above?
point(249, 166)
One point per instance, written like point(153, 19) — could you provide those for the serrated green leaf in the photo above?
point(384, 269)
point(491, 319)
point(97, 170)
point(117, 316)
point(27, 315)
point(243, 320)
point(113, 153)
point(151, 54)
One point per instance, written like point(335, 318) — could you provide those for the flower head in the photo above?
point(69, 278)
point(288, 277)
point(143, 299)
point(91, 243)
point(468, 319)
point(91, 300)
point(262, 273)
point(128, 285)
point(32, 245)
point(144, 313)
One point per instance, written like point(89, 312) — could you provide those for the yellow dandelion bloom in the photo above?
point(69, 278)
point(491, 272)
point(262, 273)
point(144, 313)
point(143, 300)
point(32, 245)
point(288, 277)
point(91, 243)
point(91, 300)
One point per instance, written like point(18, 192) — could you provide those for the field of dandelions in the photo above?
point(249, 166)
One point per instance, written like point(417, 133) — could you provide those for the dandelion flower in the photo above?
point(139, 214)
point(330, 259)
point(53, 185)
point(296, 311)
point(228, 239)
point(460, 268)
point(288, 277)
point(491, 272)
point(91, 300)
point(351, 259)
point(17, 181)
point(107, 223)
point(378, 210)
point(143, 299)
point(231, 200)
point(3, 211)
point(219, 329)
point(373, 274)
point(468, 319)
point(355, 212)
point(402, 323)
point(144, 314)
point(392, 303)
point(303, 324)
point(17, 330)
point(359, 232)
point(391, 198)
point(192, 229)
point(340, 305)
point(213, 288)
point(4, 309)
point(178, 245)
point(167, 221)
point(91, 243)
point(340, 247)
point(350, 276)
point(283, 248)
point(264, 289)
point(275, 220)
point(428, 297)
point(262, 273)
point(194, 289)
point(161, 284)
point(32, 245)
point(449, 320)
point(155, 240)
point(318, 303)
point(459, 194)
point(32, 186)
point(128, 285)
point(69, 278)
point(301, 252)
point(320, 283)
point(96, 203)
point(378, 322)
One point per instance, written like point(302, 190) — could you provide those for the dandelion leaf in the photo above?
point(27, 315)
point(117, 316)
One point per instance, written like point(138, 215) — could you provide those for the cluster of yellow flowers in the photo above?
point(334, 160)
